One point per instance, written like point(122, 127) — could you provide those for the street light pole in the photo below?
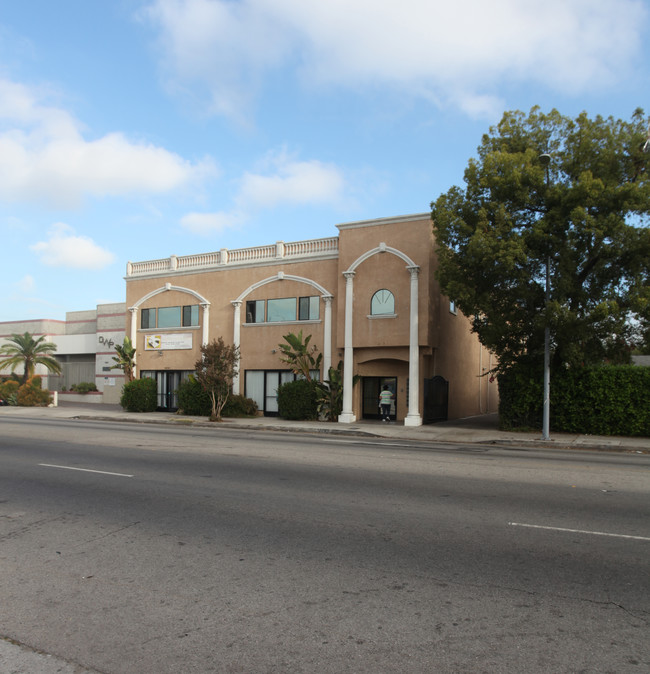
point(545, 160)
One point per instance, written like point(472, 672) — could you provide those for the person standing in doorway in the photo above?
point(385, 401)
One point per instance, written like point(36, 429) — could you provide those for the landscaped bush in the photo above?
point(9, 389)
point(297, 400)
point(194, 401)
point(31, 394)
point(607, 400)
point(83, 387)
point(140, 395)
point(238, 406)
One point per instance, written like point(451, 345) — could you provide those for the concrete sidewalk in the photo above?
point(479, 429)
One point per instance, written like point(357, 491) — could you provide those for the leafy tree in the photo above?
point(585, 214)
point(215, 371)
point(29, 352)
point(125, 359)
point(300, 357)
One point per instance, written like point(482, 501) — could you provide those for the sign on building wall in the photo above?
point(168, 342)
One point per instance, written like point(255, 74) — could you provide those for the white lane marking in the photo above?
point(578, 531)
point(84, 470)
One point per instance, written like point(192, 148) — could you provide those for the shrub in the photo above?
point(297, 400)
point(605, 400)
point(193, 399)
point(83, 387)
point(8, 389)
point(239, 406)
point(140, 395)
point(30, 394)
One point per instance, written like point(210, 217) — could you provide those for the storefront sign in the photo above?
point(168, 342)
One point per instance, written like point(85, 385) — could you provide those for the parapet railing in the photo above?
point(241, 256)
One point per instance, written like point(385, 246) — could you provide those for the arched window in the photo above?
point(383, 302)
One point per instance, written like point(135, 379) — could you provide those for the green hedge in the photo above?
point(194, 401)
point(297, 400)
point(84, 387)
point(607, 400)
point(140, 395)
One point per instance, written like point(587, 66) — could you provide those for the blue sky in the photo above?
point(137, 129)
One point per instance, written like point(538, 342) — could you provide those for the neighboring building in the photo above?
point(367, 297)
point(85, 344)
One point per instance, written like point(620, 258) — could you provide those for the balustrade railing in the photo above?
point(240, 256)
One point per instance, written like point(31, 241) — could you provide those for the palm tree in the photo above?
point(29, 352)
point(299, 355)
point(125, 359)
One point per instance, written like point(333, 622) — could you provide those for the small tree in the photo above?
point(125, 359)
point(29, 352)
point(330, 393)
point(215, 371)
point(300, 357)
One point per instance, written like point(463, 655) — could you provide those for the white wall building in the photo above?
point(85, 344)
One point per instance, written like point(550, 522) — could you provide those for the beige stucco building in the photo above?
point(368, 297)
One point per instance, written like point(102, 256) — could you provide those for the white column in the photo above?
point(327, 336)
point(347, 416)
point(134, 335)
point(206, 324)
point(413, 417)
point(236, 339)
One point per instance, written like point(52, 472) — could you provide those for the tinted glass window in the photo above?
point(191, 315)
point(147, 318)
point(383, 302)
point(169, 317)
point(281, 310)
point(255, 311)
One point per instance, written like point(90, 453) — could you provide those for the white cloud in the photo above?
point(454, 51)
point(65, 249)
point(211, 223)
point(25, 285)
point(280, 180)
point(292, 182)
point(44, 157)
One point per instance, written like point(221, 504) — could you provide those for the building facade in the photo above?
point(85, 346)
point(368, 297)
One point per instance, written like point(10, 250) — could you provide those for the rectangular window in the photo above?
point(255, 311)
point(308, 308)
point(281, 310)
point(452, 307)
point(191, 315)
point(147, 318)
point(169, 317)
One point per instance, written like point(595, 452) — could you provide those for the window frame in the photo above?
point(391, 298)
point(148, 312)
point(312, 305)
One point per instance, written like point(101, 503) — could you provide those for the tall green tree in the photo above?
point(299, 356)
point(215, 371)
point(585, 214)
point(29, 352)
point(125, 359)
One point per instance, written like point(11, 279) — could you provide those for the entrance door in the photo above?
point(371, 388)
point(436, 399)
point(167, 382)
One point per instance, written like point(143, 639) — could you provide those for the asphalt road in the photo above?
point(140, 549)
